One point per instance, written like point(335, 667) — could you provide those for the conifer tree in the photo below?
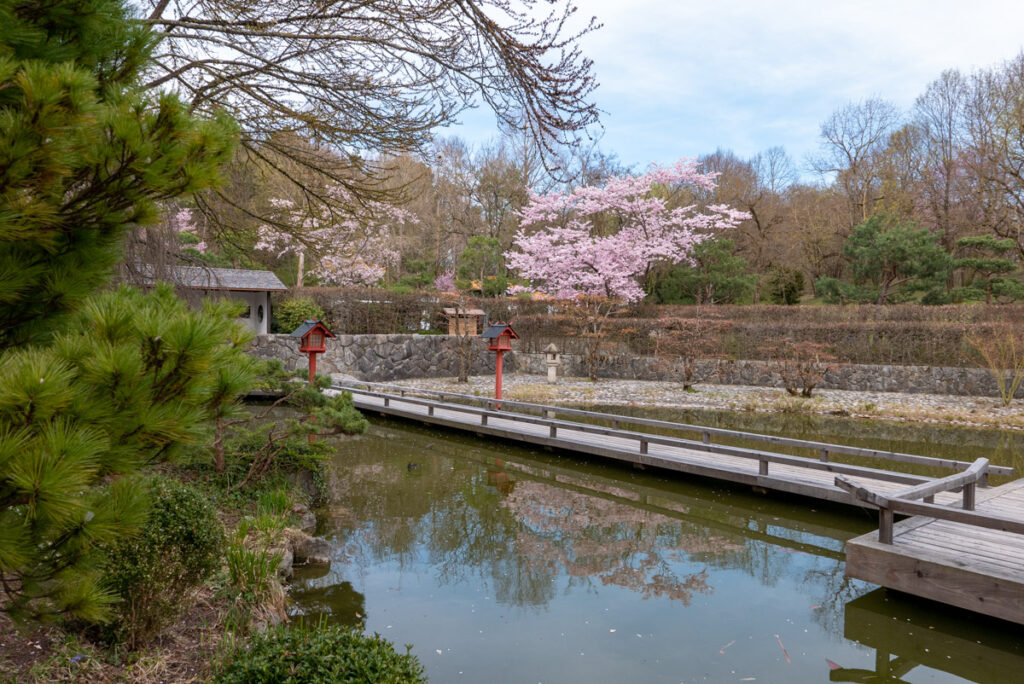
point(990, 262)
point(92, 387)
point(83, 153)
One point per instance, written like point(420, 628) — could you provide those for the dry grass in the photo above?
point(543, 392)
point(185, 652)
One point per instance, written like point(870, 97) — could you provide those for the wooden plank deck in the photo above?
point(955, 563)
point(766, 470)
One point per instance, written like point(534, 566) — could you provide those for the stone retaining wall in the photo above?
point(858, 377)
point(381, 358)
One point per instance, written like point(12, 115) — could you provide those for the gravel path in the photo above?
point(925, 408)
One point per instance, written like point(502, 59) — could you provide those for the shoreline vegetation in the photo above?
point(202, 586)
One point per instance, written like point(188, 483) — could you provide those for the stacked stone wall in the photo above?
point(857, 377)
point(382, 358)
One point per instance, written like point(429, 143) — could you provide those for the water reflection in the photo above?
point(524, 524)
point(910, 634)
point(490, 553)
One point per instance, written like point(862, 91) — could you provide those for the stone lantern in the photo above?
point(553, 359)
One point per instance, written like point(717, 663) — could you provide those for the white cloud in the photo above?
point(682, 78)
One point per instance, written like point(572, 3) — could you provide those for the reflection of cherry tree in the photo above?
point(347, 249)
point(593, 538)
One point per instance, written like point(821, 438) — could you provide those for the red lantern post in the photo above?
point(313, 335)
point(500, 336)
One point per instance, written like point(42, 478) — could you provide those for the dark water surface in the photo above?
point(503, 564)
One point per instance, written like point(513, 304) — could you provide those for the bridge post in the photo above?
point(885, 525)
point(969, 496)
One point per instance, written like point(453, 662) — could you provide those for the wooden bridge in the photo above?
point(963, 545)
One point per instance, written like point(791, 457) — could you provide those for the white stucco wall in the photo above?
point(255, 300)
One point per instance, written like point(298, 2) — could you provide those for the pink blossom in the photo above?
point(445, 282)
point(558, 250)
point(345, 249)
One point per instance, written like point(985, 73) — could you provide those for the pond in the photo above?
point(499, 563)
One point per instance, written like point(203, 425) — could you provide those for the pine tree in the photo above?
point(92, 387)
point(129, 381)
point(83, 154)
point(990, 261)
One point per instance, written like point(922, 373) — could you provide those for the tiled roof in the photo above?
point(308, 325)
point(463, 312)
point(497, 329)
point(201, 278)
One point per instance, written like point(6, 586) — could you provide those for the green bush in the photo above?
point(180, 547)
point(289, 314)
point(300, 654)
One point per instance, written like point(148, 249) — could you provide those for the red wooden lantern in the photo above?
point(313, 335)
point(499, 337)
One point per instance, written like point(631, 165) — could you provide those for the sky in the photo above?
point(681, 78)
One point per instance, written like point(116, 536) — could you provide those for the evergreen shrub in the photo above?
point(289, 314)
point(180, 547)
point(303, 654)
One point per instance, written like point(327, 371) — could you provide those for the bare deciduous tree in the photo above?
point(851, 139)
point(373, 76)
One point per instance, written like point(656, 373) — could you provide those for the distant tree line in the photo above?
point(919, 205)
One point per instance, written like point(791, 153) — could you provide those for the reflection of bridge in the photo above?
point(733, 519)
point(905, 637)
point(953, 561)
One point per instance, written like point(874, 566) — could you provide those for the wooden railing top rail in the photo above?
point(973, 474)
point(823, 448)
point(904, 502)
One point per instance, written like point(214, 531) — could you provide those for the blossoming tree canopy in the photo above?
point(182, 222)
point(349, 250)
point(559, 250)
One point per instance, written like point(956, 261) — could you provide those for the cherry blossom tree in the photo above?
point(564, 246)
point(346, 249)
point(445, 282)
point(596, 245)
point(182, 222)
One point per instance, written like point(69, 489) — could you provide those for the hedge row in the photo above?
point(897, 335)
point(369, 311)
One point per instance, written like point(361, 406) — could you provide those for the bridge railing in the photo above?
point(905, 502)
point(557, 428)
point(824, 449)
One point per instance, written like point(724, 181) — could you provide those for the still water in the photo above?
point(499, 563)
